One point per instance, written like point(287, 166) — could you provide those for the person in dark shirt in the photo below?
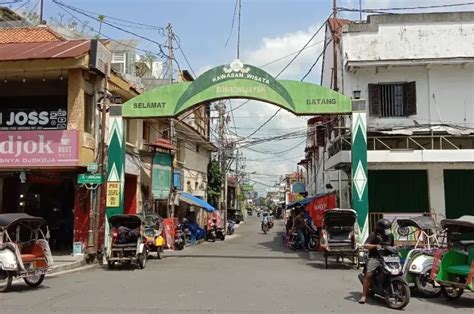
point(376, 240)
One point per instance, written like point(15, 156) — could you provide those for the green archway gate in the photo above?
point(239, 80)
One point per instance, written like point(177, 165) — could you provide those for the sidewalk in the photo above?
point(67, 262)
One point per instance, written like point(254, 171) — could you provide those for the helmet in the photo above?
point(384, 227)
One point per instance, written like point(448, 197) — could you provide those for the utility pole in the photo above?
point(172, 132)
point(222, 161)
point(237, 164)
point(41, 12)
point(334, 44)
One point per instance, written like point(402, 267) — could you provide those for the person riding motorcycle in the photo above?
point(265, 218)
point(376, 240)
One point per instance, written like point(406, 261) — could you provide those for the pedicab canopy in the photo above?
point(195, 201)
point(462, 224)
point(129, 221)
point(420, 222)
point(340, 217)
point(33, 222)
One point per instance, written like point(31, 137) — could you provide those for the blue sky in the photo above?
point(271, 29)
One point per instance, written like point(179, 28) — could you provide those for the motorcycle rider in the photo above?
point(264, 218)
point(376, 240)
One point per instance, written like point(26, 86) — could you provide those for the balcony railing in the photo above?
point(404, 142)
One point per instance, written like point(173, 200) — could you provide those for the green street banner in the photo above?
point(115, 166)
point(237, 80)
point(161, 181)
point(360, 191)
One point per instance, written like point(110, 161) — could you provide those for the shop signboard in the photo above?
point(33, 113)
point(161, 181)
point(28, 149)
point(113, 194)
point(246, 187)
point(298, 187)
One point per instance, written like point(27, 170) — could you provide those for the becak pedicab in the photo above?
point(339, 235)
point(24, 250)
point(454, 270)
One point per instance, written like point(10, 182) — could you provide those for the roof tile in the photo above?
point(28, 35)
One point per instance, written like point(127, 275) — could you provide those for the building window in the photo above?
point(146, 132)
point(119, 62)
point(392, 99)
point(88, 113)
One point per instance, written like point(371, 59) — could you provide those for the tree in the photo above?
point(214, 181)
point(144, 67)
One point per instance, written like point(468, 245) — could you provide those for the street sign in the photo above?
point(87, 178)
point(92, 167)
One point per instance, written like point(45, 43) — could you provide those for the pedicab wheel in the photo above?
point(34, 281)
point(5, 281)
point(142, 259)
point(159, 252)
point(110, 264)
point(425, 286)
point(452, 293)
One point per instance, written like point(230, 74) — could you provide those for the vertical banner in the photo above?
point(115, 164)
point(360, 195)
point(161, 181)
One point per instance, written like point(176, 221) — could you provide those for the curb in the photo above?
point(68, 266)
point(72, 270)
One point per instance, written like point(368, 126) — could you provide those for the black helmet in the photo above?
point(382, 225)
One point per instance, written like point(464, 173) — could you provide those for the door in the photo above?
point(458, 192)
point(398, 191)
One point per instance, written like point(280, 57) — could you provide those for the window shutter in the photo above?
point(374, 99)
point(410, 90)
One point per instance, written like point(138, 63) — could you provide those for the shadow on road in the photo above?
point(371, 301)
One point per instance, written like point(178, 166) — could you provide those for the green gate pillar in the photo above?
point(115, 163)
point(360, 195)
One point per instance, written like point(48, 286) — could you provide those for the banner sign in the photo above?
point(161, 181)
point(237, 80)
point(39, 148)
point(113, 194)
point(319, 206)
point(28, 113)
point(298, 187)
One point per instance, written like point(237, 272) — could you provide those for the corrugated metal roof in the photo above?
point(28, 35)
point(44, 50)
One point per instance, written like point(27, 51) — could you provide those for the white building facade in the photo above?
point(413, 74)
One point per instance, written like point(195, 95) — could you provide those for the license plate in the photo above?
point(391, 259)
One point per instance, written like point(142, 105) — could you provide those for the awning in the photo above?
point(195, 201)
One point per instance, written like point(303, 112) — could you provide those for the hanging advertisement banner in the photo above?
point(320, 205)
point(161, 181)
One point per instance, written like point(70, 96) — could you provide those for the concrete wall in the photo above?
point(411, 36)
point(444, 93)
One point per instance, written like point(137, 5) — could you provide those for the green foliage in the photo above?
point(214, 181)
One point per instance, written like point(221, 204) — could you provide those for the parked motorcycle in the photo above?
point(388, 281)
point(230, 227)
point(211, 232)
point(220, 233)
point(313, 242)
point(179, 237)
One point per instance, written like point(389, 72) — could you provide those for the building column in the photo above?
point(75, 100)
point(436, 190)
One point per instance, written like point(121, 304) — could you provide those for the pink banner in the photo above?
point(39, 148)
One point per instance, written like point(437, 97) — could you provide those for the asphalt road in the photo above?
point(249, 273)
